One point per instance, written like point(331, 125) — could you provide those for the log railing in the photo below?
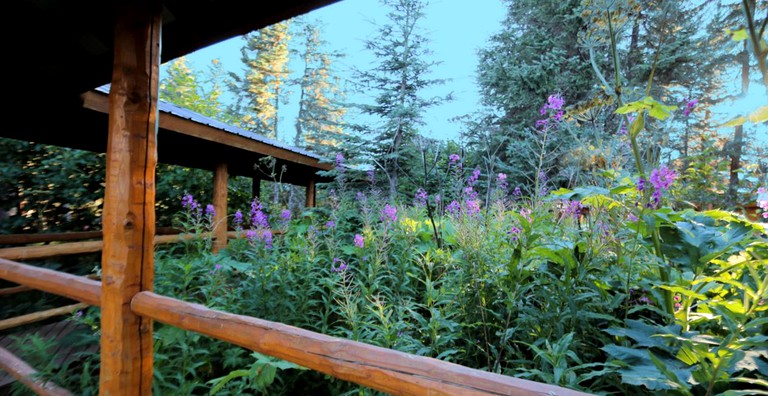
point(70, 248)
point(23, 239)
point(375, 367)
point(28, 376)
point(78, 288)
point(39, 316)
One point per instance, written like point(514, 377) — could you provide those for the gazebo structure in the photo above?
point(62, 52)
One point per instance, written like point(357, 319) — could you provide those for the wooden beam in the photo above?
point(75, 287)
point(383, 369)
point(97, 101)
point(129, 200)
point(28, 376)
point(220, 177)
point(310, 201)
point(19, 239)
point(40, 315)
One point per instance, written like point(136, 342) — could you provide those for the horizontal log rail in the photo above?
point(39, 316)
point(379, 368)
point(28, 376)
point(22, 239)
point(70, 248)
point(78, 288)
point(13, 290)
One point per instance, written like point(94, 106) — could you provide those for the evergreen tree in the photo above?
point(259, 90)
point(535, 54)
point(398, 79)
point(183, 87)
point(319, 124)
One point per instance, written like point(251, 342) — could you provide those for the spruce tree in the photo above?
point(259, 91)
point(319, 123)
point(398, 80)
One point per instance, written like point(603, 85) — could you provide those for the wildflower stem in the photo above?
point(669, 304)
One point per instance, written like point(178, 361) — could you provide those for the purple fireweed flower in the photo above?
point(420, 199)
point(661, 179)
point(640, 184)
point(453, 208)
point(542, 123)
point(526, 213)
point(559, 116)
point(360, 196)
point(645, 300)
point(342, 265)
point(210, 210)
point(572, 208)
point(251, 235)
point(514, 232)
point(389, 214)
point(238, 218)
point(689, 106)
point(762, 203)
point(470, 193)
point(371, 176)
point(473, 179)
point(260, 219)
point(632, 217)
point(437, 199)
point(79, 314)
point(285, 214)
point(217, 267)
point(339, 159)
point(555, 102)
point(266, 236)
point(359, 241)
point(517, 192)
point(330, 224)
point(473, 206)
point(454, 158)
point(189, 203)
point(501, 181)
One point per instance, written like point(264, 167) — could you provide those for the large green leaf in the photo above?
point(759, 115)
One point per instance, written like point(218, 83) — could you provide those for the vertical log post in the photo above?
point(129, 200)
point(310, 203)
point(256, 188)
point(220, 205)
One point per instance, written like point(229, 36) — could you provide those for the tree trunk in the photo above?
point(737, 145)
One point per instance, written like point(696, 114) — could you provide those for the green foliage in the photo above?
point(398, 80)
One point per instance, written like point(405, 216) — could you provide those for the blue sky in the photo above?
point(456, 28)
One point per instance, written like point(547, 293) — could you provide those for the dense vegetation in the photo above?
point(589, 229)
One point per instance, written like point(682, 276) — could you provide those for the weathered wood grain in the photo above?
point(72, 286)
point(220, 178)
point(310, 201)
point(129, 200)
